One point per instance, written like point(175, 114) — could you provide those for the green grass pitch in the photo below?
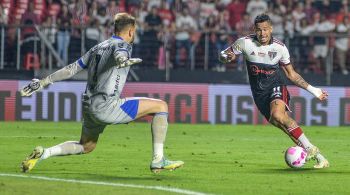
point(219, 159)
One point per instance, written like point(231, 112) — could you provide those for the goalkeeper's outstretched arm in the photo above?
point(62, 74)
point(123, 61)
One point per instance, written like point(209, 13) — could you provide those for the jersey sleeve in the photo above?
point(238, 46)
point(120, 51)
point(84, 60)
point(285, 59)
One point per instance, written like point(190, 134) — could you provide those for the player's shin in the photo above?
point(63, 149)
point(159, 130)
point(298, 134)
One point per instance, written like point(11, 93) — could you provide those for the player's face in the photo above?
point(263, 32)
point(133, 31)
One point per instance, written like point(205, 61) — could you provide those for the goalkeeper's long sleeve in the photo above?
point(62, 74)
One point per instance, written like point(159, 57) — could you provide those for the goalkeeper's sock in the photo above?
point(66, 148)
point(159, 130)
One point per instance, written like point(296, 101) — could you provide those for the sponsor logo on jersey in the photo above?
point(261, 54)
point(256, 70)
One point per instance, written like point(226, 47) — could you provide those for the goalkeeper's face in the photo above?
point(132, 32)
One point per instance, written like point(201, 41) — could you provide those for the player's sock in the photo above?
point(298, 134)
point(66, 148)
point(305, 141)
point(159, 130)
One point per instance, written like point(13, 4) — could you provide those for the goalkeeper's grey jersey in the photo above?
point(100, 61)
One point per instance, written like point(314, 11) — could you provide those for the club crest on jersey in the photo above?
point(272, 54)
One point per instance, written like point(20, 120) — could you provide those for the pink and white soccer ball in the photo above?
point(295, 156)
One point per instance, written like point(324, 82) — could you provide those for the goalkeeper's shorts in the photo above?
point(100, 111)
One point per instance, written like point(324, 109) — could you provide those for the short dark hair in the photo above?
point(122, 21)
point(262, 18)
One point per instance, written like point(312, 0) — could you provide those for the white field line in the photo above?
point(161, 188)
point(31, 136)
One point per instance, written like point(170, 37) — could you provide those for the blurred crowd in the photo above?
point(182, 33)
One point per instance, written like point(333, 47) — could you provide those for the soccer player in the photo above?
point(108, 64)
point(267, 58)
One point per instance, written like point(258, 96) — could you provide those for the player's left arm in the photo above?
point(298, 80)
point(123, 59)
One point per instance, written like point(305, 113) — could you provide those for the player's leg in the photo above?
point(280, 118)
point(87, 143)
point(286, 132)
point(159, 127)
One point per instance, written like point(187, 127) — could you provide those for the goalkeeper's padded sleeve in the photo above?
point(62, 74)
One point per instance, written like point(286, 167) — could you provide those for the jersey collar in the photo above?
point(117, 37)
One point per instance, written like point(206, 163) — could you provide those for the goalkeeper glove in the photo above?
point(34, 86)
point(123, 61)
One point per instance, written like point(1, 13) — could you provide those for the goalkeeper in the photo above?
point(108, 64)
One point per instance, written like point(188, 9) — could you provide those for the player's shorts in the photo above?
point(263, 101)
point(100, 111)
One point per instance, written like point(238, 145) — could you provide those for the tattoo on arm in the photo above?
point(299, 81)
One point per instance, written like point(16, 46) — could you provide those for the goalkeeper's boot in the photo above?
point(312, 153)
point(165, 164)
point(322, 162)
point(32, 159)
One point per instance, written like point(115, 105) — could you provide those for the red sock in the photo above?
point(295, 132)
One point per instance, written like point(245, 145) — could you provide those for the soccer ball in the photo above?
point(295, 156)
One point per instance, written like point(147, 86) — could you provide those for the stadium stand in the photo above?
point(309, 28)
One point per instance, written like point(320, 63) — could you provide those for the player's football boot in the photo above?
point(311, 153)
point(32, 159)
point(165, 164)
point(323, 163)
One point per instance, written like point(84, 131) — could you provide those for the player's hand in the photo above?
point(34, 86)
point(323, 95)
point(226, 56)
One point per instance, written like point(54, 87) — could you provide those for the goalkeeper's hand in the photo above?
point(125, 62)
point(34, 86)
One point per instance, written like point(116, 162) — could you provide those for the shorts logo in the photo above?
point(255, 70)
point(276, 92)
point(272, 54)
